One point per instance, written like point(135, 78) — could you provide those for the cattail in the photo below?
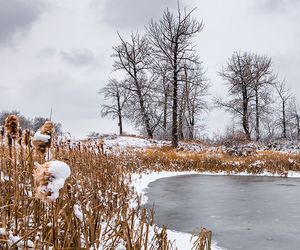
point(47, 128)
point(27, 137)
point(42, 138)
point(49, 179)
point(12, 126)
point(101, 145)
point(2, 132)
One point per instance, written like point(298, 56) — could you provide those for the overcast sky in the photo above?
point(56, 53)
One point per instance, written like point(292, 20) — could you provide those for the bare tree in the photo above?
point(117, 95)
point(171, 38)
point(262, 79)
point(284, 95)
point(237, 76)
point(294, 111)
point(193, 88)
point(196, 90)
point(132, 57)
point(163, 91)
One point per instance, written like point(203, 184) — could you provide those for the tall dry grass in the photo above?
point(169, 159)
point(94, 209)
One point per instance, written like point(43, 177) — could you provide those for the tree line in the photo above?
point(32, 124)
point(264, 106)
point(161, 86)
point(163, 82)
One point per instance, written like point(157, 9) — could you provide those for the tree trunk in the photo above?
point(174, 113)
point(192, 127)
point(175, 105)
point(298, 127)
point(245, 114)
point(120, 124)
point(283, 120)
point(180, 127)
point(142, 107)
point(146, 119)
point(165, 108)
point(257, 115)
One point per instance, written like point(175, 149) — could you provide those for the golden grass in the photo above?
point(98, 186)
point(263, 161)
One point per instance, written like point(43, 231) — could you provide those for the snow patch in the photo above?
point(3, 177)
point(126, 141)
point(78, 212)
point(22, 244)
point(60, 172)
point(2, 231)
point(38, 136)
point(54, 174)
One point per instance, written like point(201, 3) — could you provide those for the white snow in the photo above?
point(293, 174)
point(38, 136)
point(22, 244)
point(3, 177)
point(258, 163)
point(2, 231)
point(59, 171)
point(183, 240)
point(78, 212)
point(127, 141)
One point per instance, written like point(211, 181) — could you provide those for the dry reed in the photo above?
point(93, 208)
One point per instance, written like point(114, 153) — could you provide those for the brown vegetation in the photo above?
point(93, 209)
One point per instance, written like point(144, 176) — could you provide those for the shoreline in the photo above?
point(140, 182)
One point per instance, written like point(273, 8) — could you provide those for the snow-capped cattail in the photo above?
point(49, 179)
point(47, 128)
point(42, 138)
point(12, 126)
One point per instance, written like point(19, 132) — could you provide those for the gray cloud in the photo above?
point(279, 5)
point(47, 52)
point(288, 65)
point(132, 13)
point(67, 95)
point(78, 57)
point(16, 17)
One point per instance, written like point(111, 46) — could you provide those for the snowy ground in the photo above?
point(126, 141)
point(123, 142)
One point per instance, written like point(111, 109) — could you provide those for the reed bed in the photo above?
point(169, 159)
point(96, 208)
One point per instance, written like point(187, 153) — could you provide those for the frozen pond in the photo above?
point(243, 212)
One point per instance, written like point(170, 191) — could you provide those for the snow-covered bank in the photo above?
point(183, 240)
point(141, 183)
